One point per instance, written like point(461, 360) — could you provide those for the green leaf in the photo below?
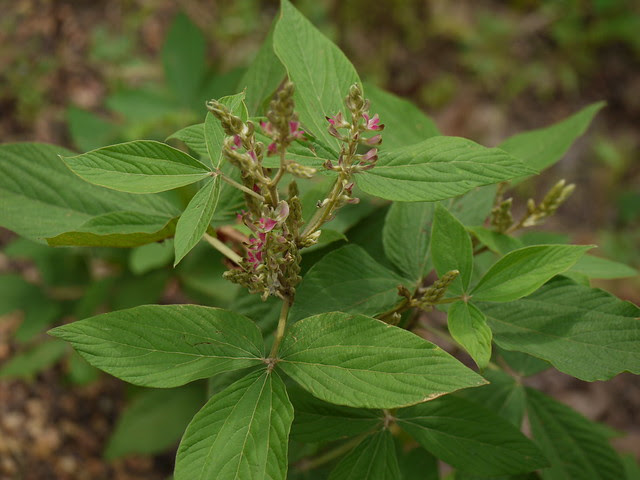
point(597, 267)
point(346, 280)
point(406, 237)
point(165, 345)
point(321, 72)
point(574, 445)
point(41, 198)
point(214, 133)
point(27, 364)
point(149, 257)
point(418, 464)
point(542, 148)
point(468, 327)
point(521, 363)
point(473, 207)
point(523, 271)
point(263, 76)
point(240, 434)
point(404, 123)
point(195, 219)
point(451, 249)
point(183, 57)
point(118, 229)
point(89, 131)
point(438, 168)
point(359, 361)
point(374, 459)
point(142, 166)
point(193, 137)
point(154, 421)
point(318, 421)
point(584, 332)
point(503, 396)
point(495, 241)
point(470, 437)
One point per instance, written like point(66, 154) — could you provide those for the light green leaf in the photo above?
point(495, 241)
point(166, 345)
point(574, 445)
point(438, 168)
point(544, 147)
point(468, 327)
point(582, 331)
point(28, 363)
point(359, 361)
point(118, 229)
point(195, 219)
point(406, 237)
point(154, 421)
point(346, 280)
point(142, 166)
point(149, 257)
point(319, 69)
point(470, 437)
point(374, 459)
point(263, 76)
point(41, 198)
point(318, 421)
point(503, 396)
point(183, 57)
point(214, 133)
point(193, 137)
point(473, 207)
point(597, 267)
point(523, 271)
point(404, 123)
point(240, 434)
point(451, 249)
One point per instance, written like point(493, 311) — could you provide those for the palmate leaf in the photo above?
point(438, 168)
point(42, 198)
point(523, 271)
point(359, 361)
point(166, 345)
point(321, 72)
point(240, 434)
point(374, 459)
point(582, 331)
point(470, 437)
point(575, 446)
point(141, 166)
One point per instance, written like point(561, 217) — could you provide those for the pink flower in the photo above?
point(237, 142)
point(375, 140)
point(336, 121)
point(266, 127)
point(371, 156)
point(266, 224)
point(272, 149)
point(372, 123)
point(295, 130)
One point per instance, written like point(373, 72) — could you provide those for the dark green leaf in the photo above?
point(451, 249)
point(374, 459)
point(468, 327)
point(346, 280)
point(470, 437)
point(574, 446)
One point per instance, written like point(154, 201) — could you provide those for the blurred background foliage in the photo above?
point(87, 73)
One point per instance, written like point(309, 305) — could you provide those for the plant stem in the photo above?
point(399, 308)
point(282, 325)
point(321, 215)
point(239, 186)
point(310, 463)
point(222, 248)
